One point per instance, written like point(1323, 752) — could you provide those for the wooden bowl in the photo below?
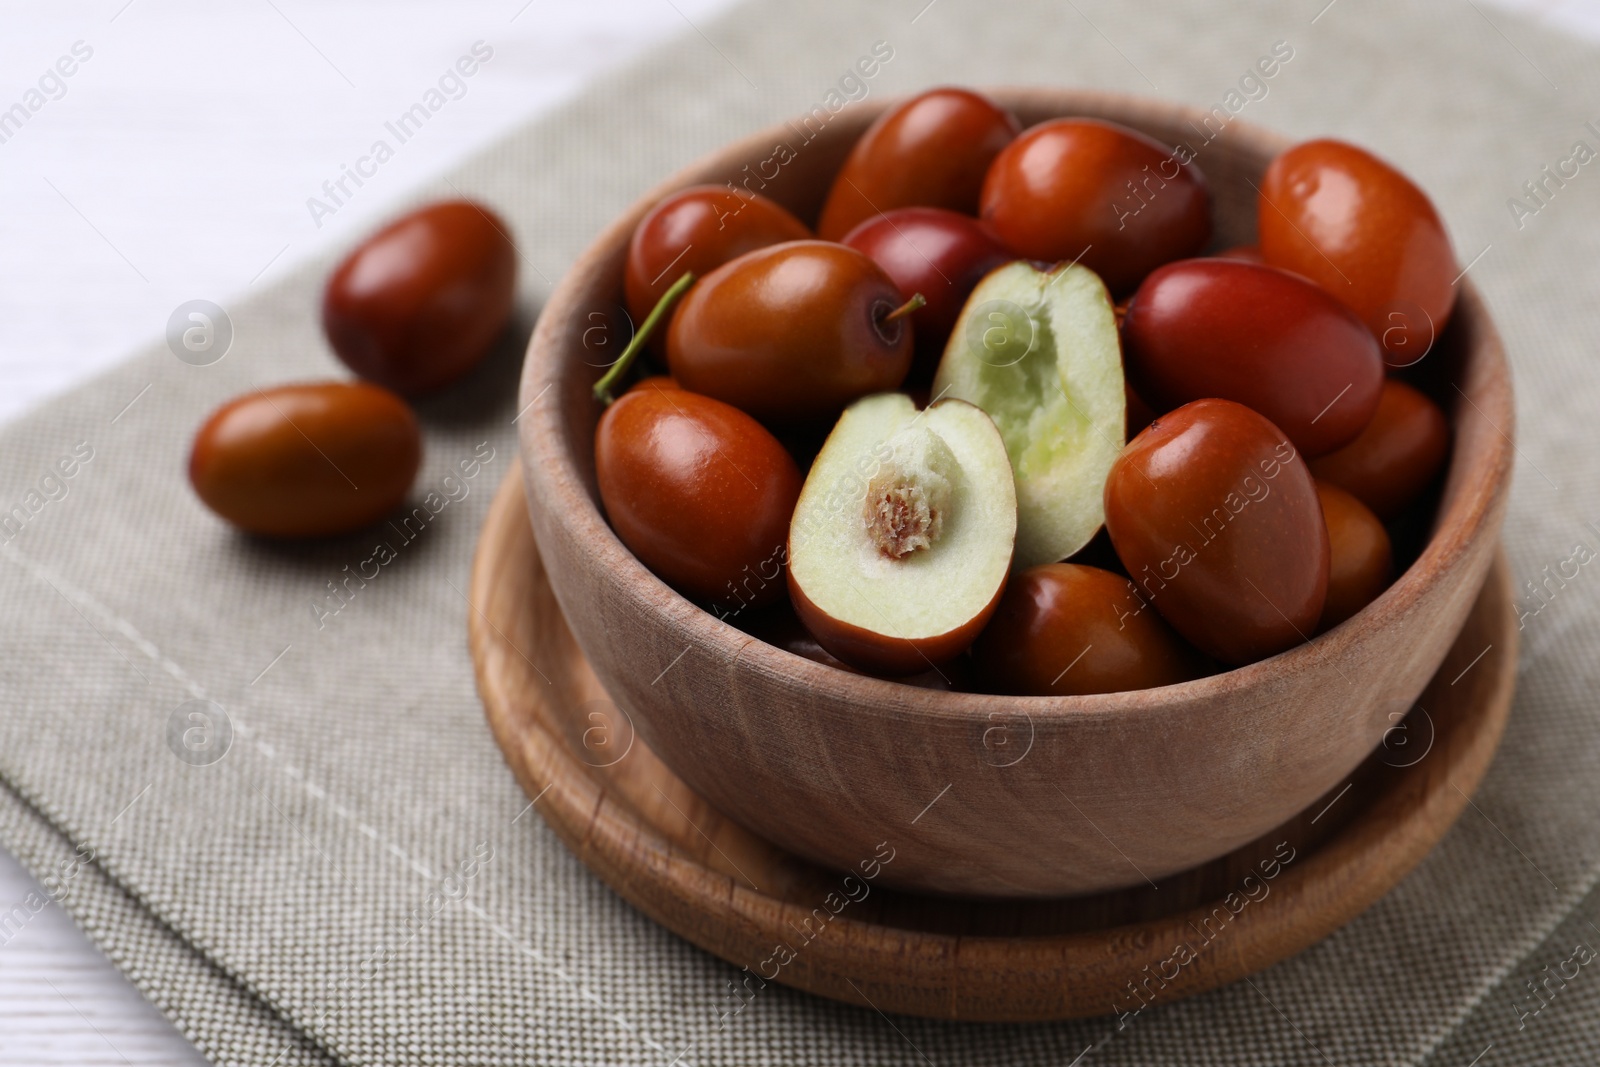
point(985, 795)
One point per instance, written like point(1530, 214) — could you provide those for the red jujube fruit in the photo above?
point(1217, 519)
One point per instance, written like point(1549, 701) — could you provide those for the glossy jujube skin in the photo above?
point(1360, 560)
point(791, 333)
point(1353, 224)
point(1396, 456)
point(421, 301)
point(935, 252)
point(1261, 336)
point(1217, 519)
point(699, 229)
point(1102, 194)
point(700, 492)
point(931, 151)
point(1063, 629)
point(308, 460)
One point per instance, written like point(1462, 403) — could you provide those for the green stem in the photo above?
point(602, 388)
point(917, 300)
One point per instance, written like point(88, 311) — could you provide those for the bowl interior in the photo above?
point(1464, 370)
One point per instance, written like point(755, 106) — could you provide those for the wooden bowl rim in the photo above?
point(548, 458)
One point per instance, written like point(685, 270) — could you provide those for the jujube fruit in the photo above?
point(307, 460)
point(791, 333)
point(1363, 231)
point(1109, 197)
point(699, 229)
point(937, 253)
point(1261, 336)
point(1215, 516)
point(1063, 629)
point(418, 304)
point(1395, 457)
point(1037, 351)
point(1360, 560)
point(699, 491)
point(931, 151)
point(902, 538)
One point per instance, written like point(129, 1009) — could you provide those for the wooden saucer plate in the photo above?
point(706, 878)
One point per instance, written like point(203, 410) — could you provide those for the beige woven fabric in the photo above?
point(351, 882)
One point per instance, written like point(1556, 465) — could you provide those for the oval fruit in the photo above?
point(1397, 454)
point(937, 253)
point(1063, 629)
point(1218, 522)
point(1263, 337)
point(1353, 224)
point(700, 492)
point(931, 151)
point(307, 460)
point(1360, 560)
point(791, 333)
point(1110, 198)
point(420, 302)
point(699, 229)
point(902, 537)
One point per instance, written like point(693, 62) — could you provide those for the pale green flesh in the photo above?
point(930, 591)
point(1058, 402)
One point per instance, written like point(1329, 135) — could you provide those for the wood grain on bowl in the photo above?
point(989, 795)
point(685, 864)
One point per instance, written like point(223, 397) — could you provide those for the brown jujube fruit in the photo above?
point(791, 333)
point(1109, 197)
point(700, 492)
point(1360, 560)
point(699, 229)
point(1063, 630)
point(1266, 338)
point(1395, 457)
point(1217, 520)
point(935, 253)
point(931, 151)
point(309, 460)
point(1364, 232)
point(420, 302)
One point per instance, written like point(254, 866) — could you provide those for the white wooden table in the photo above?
point(124, 213)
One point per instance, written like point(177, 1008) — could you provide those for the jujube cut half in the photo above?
point(902, 537)
point(1038, 351)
